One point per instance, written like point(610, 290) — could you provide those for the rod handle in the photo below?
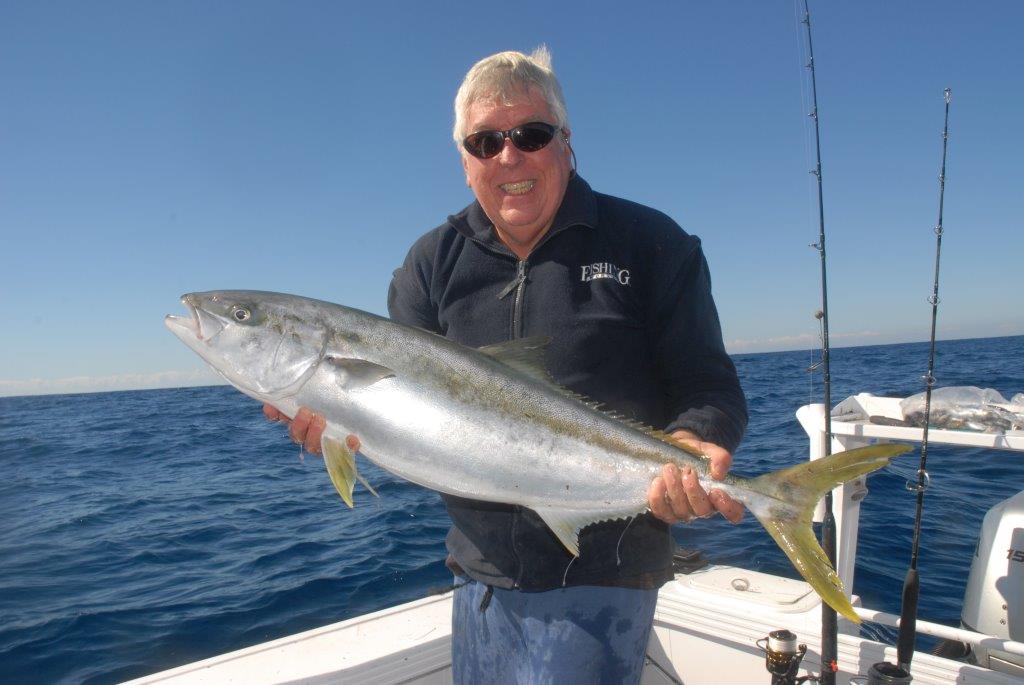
point(908, 619)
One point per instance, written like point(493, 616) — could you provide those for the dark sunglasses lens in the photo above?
point(528, 138)
point(484, 144)
point(532, 137)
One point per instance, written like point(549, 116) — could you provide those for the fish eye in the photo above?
point(241, 314)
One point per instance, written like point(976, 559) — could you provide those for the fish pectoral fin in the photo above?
point(355, 374)
point(566, 524)
point(341, 467)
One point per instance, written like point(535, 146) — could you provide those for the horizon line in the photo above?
point(206, 377)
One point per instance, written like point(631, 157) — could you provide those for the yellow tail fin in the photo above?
point(796, 491)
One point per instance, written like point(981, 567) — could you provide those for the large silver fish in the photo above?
point(484, 423)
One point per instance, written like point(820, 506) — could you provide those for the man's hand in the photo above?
point(676, 495)
point(306, 428)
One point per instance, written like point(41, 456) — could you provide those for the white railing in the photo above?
point(945, 632)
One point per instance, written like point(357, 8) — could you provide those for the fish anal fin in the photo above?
point(566, 524)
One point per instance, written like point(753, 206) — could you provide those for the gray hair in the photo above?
point(503, 77)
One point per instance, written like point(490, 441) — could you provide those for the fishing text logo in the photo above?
point(599, 270)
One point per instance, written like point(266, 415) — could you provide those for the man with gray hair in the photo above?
point(624, 294)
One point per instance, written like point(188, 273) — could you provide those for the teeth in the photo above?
point(517, 188)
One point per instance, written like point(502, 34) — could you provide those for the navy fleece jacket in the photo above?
point(625, 295)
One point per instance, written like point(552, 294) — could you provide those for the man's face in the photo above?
point(519, 191)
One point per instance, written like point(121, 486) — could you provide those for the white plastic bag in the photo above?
point(966, 408)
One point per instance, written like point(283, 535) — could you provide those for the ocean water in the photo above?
point(143, 530)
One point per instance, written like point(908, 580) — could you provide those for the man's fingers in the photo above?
point(306, 428)
point(697, 499)
point(728, 507)
point(300, 424)
point(272, 413)
point(314, 433)
point(657, 502)
point(676, 493)
point(720, 461)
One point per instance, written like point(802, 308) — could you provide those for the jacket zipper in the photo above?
point(517, 307)
point(518, 285)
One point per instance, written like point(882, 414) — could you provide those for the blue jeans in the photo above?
point(582, 634)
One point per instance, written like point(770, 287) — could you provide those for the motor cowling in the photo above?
point(994, 599)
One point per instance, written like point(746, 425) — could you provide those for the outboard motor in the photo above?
point(994, 599)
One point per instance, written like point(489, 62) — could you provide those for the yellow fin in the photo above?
point(797, 490)
point(796, 539)
point(341, 467)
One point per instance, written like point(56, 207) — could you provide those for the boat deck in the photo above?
point(705, 631)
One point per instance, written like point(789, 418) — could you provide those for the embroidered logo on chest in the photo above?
point(602, 270)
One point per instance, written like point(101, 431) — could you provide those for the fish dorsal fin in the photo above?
point(525, 355)
point(653, 432)
point(566, 524)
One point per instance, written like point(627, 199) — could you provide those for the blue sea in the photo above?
point(143, 530)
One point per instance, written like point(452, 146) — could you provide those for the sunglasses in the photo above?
point(526, 137)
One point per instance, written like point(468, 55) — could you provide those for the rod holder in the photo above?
point(883, 673)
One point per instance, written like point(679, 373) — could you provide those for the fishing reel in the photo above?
point(782, 657)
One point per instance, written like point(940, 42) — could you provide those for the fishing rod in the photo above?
point(829, 621)
point(912, 583)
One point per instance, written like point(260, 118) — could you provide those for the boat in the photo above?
point(711, 625)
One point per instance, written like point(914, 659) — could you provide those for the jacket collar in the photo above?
point(578, 208)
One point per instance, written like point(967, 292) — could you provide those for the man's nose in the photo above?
point(510, 155)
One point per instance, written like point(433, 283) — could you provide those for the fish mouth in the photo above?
point(198, 326)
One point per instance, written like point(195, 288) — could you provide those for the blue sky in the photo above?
point(151, 149)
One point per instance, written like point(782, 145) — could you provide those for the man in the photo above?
point(624, 294)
